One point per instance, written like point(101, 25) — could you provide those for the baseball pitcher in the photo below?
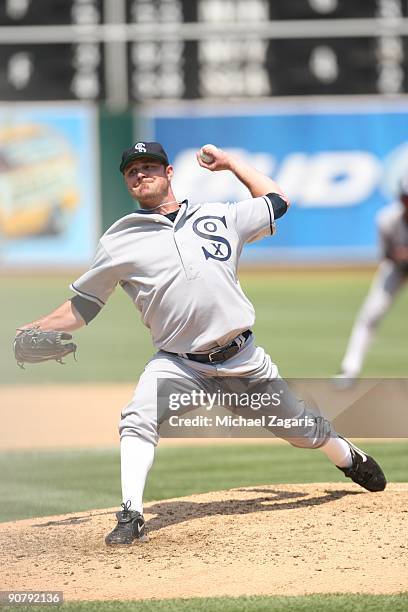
point(177, 261)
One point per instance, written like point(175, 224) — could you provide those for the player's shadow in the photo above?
point(174, 512)
point(169, 513)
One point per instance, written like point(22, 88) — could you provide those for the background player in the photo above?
point(178, 263)
point(391, 275)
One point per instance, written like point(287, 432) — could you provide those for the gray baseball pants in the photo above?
point(140, 417)
point(385, 286)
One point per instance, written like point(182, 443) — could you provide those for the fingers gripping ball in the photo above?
point(35, 346)
point(206, 153)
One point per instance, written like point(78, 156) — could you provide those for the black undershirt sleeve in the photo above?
point(86, 308)
point(278, 204)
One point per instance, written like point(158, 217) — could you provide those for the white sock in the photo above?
point(136, 458)
point(338, 451)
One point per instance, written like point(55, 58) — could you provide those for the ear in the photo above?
point(170, 172)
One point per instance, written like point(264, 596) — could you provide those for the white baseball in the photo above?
point(206, 153)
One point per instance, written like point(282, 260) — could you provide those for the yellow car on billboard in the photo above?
point(38, 181)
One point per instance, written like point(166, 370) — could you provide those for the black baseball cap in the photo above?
point(144, 149)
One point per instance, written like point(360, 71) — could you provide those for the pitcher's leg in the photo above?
point(311, 430)
point(136, 459)
point(139, 435)
point(351, 460)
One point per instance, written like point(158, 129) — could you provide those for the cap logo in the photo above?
point(140, 147)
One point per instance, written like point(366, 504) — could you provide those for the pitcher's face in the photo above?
point(148, 181)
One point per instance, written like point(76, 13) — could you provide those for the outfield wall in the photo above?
point(339, 160)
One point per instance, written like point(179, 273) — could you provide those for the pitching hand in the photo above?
point(217, 159)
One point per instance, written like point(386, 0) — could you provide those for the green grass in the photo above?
point(303, 320)
point(311, 603)
point(44, 483)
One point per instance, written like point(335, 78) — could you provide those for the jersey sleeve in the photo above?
point(99, 281)
point(254, 218)
point(385, 233)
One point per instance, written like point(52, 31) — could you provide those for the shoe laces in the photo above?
point(126, 508)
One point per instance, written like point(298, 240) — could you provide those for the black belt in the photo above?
point(221, 354)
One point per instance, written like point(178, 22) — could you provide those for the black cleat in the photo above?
point(364, 470)
point(130, 527)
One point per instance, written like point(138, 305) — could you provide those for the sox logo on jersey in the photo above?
point(221, 247)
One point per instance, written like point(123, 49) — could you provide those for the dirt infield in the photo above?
point(280, 539)
point(74, 416)
point(78, 416)
point(61, 416)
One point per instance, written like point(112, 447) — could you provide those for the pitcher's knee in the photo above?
point(307, 442)
point(315, 436)
point(138, 430)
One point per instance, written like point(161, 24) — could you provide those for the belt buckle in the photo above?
point(210, 356)
point(231, 349)
point(227, 353)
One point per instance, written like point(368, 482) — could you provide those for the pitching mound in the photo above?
point(280, 539)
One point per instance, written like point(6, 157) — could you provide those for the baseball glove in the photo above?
point(35, 346)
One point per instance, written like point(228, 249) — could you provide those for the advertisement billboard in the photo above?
point(48, 185)
point(339, 163)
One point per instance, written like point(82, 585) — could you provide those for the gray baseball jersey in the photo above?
point(393, 230)
point(182, 276)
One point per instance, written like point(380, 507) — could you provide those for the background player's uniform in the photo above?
point(388, 280)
